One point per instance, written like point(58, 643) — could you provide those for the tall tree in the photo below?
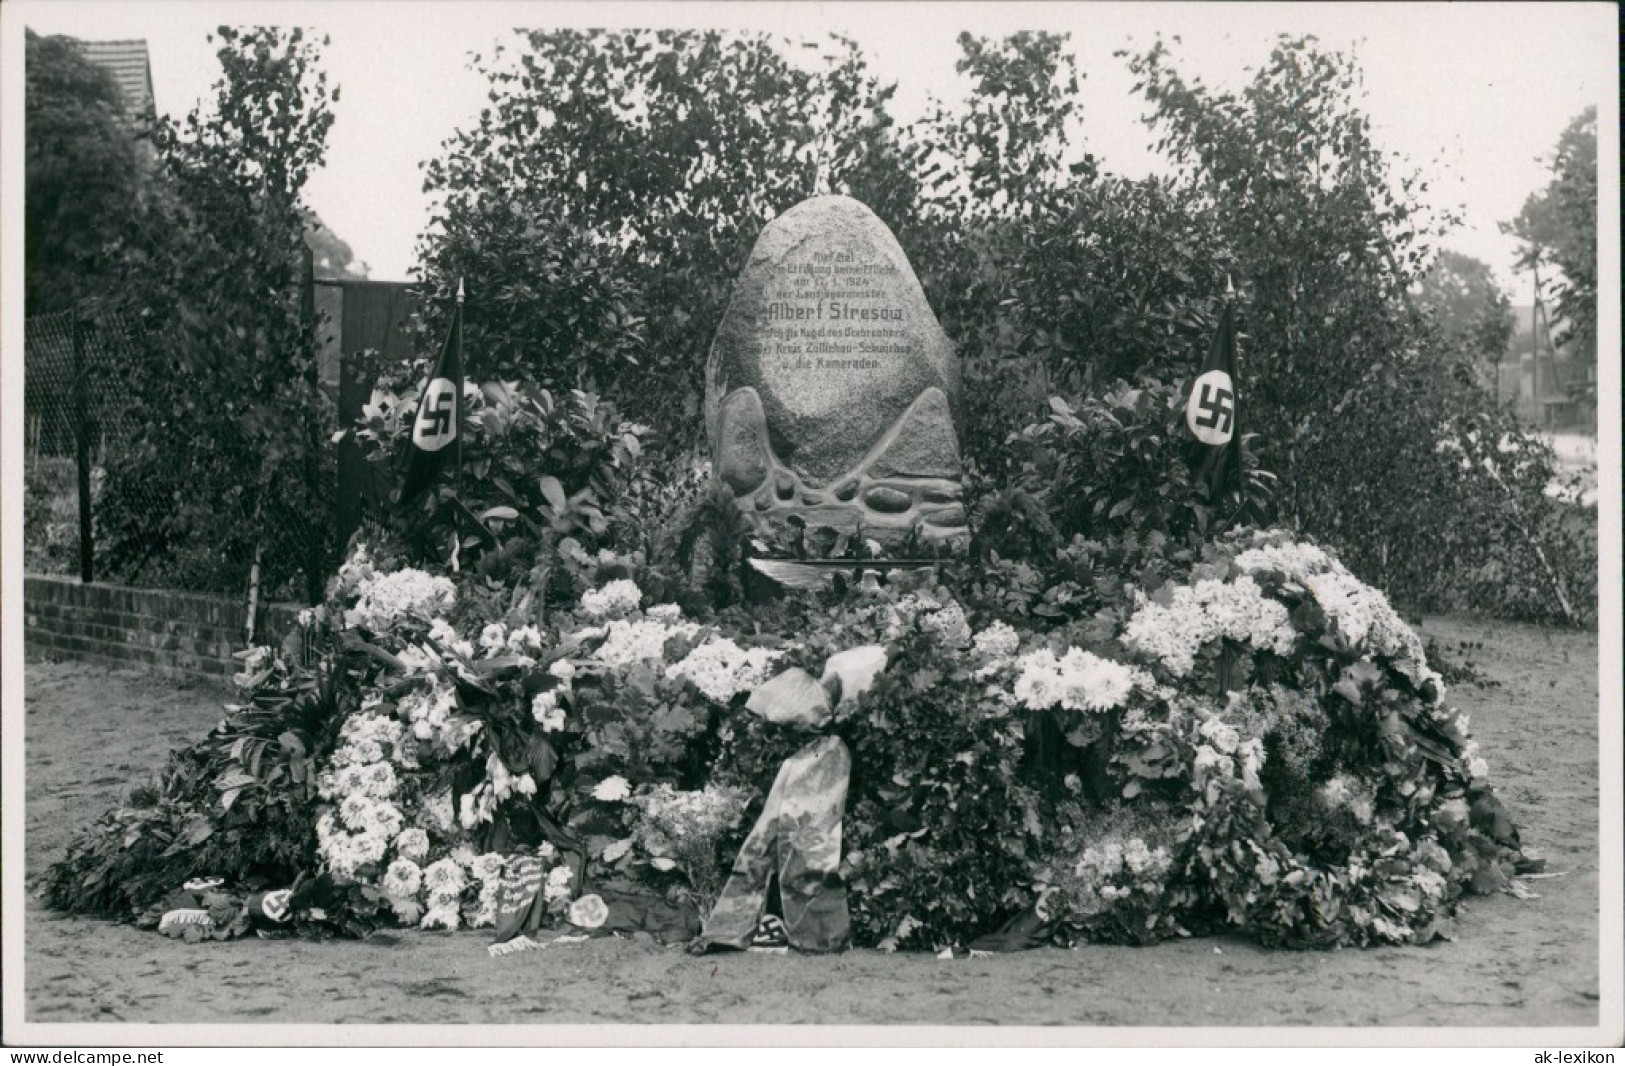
point(1470, 309)
point(1557, 227)
point(606, 198)
point(84, 174)
point(232, 420)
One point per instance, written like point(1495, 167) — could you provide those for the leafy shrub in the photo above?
point(241, 803)
point(536, 473)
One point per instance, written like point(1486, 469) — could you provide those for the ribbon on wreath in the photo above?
point(797, 838)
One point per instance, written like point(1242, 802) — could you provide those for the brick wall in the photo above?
point(154, 629)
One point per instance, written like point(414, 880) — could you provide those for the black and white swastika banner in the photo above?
point(436, 424)
point(1211, 410)
point(1213, 415)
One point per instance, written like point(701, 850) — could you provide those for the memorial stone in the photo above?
point(831, 391)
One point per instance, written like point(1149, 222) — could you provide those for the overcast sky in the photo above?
point(1473, 95)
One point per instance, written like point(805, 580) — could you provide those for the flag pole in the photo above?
point(1241, 483)
point(462, 374)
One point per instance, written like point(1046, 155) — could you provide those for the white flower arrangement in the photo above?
point(445, 879)
point(1112, 870)
point(524, 639)
point(630, 642)
point(1206, 611)
point(1077, 681)
point(346, 854)
point(612, 789)
point(1360, 614)
point(617, 598)
point(402, 880)
point(944, 621)
point(949, 625)
point(722, 669)
point(547, 712)
point(1293, 560)
point(442, 916)
point(556, 889)
point(445, 634)
point(412, 843)
point(997, 641)
point(432, 716)
point(387, 600)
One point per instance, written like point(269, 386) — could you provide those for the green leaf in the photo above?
point(553, 491)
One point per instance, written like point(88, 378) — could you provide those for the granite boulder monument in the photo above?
point(831, 391)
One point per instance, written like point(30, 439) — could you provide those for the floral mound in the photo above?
point(1259, 746)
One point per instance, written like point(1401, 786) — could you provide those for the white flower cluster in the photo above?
point(1361, 614)
point(617, 598)
point(480, 805)
point(1113, 870)
point(432, 715)
point(1345, 792)
point(994, 650)
point(677, 825)
point(1206, 611)
point(556, 889)
point(1223, 753)
point(444, 633)
point(635, 641)
point(432, 897)
point(443, 883)
point(1292, 559)
point(1077, 681)
point(945, 621)
point(386, 600)
point(997, 641)
point(494, 639)
point(612, 789)
point(547, 711)
point(546, 707)
point(722, 669)
point(361, 786)
point(487, 869)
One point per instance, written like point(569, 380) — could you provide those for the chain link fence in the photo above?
point(102, 500)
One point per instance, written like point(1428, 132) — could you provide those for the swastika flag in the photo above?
point(1213, 434)
point(437, 427)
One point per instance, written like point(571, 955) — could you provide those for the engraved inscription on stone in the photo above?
point(831, 389)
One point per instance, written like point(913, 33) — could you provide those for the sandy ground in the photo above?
point(90, 732)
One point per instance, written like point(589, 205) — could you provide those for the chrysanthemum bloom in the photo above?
point(386, 600)
point(402, 880)
point(494, 638)
point(611, 789)
point(444, 878)
point(617, 598)
point(721, 669)
point(546, 711)
point(997, 641)
point(412, 843)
